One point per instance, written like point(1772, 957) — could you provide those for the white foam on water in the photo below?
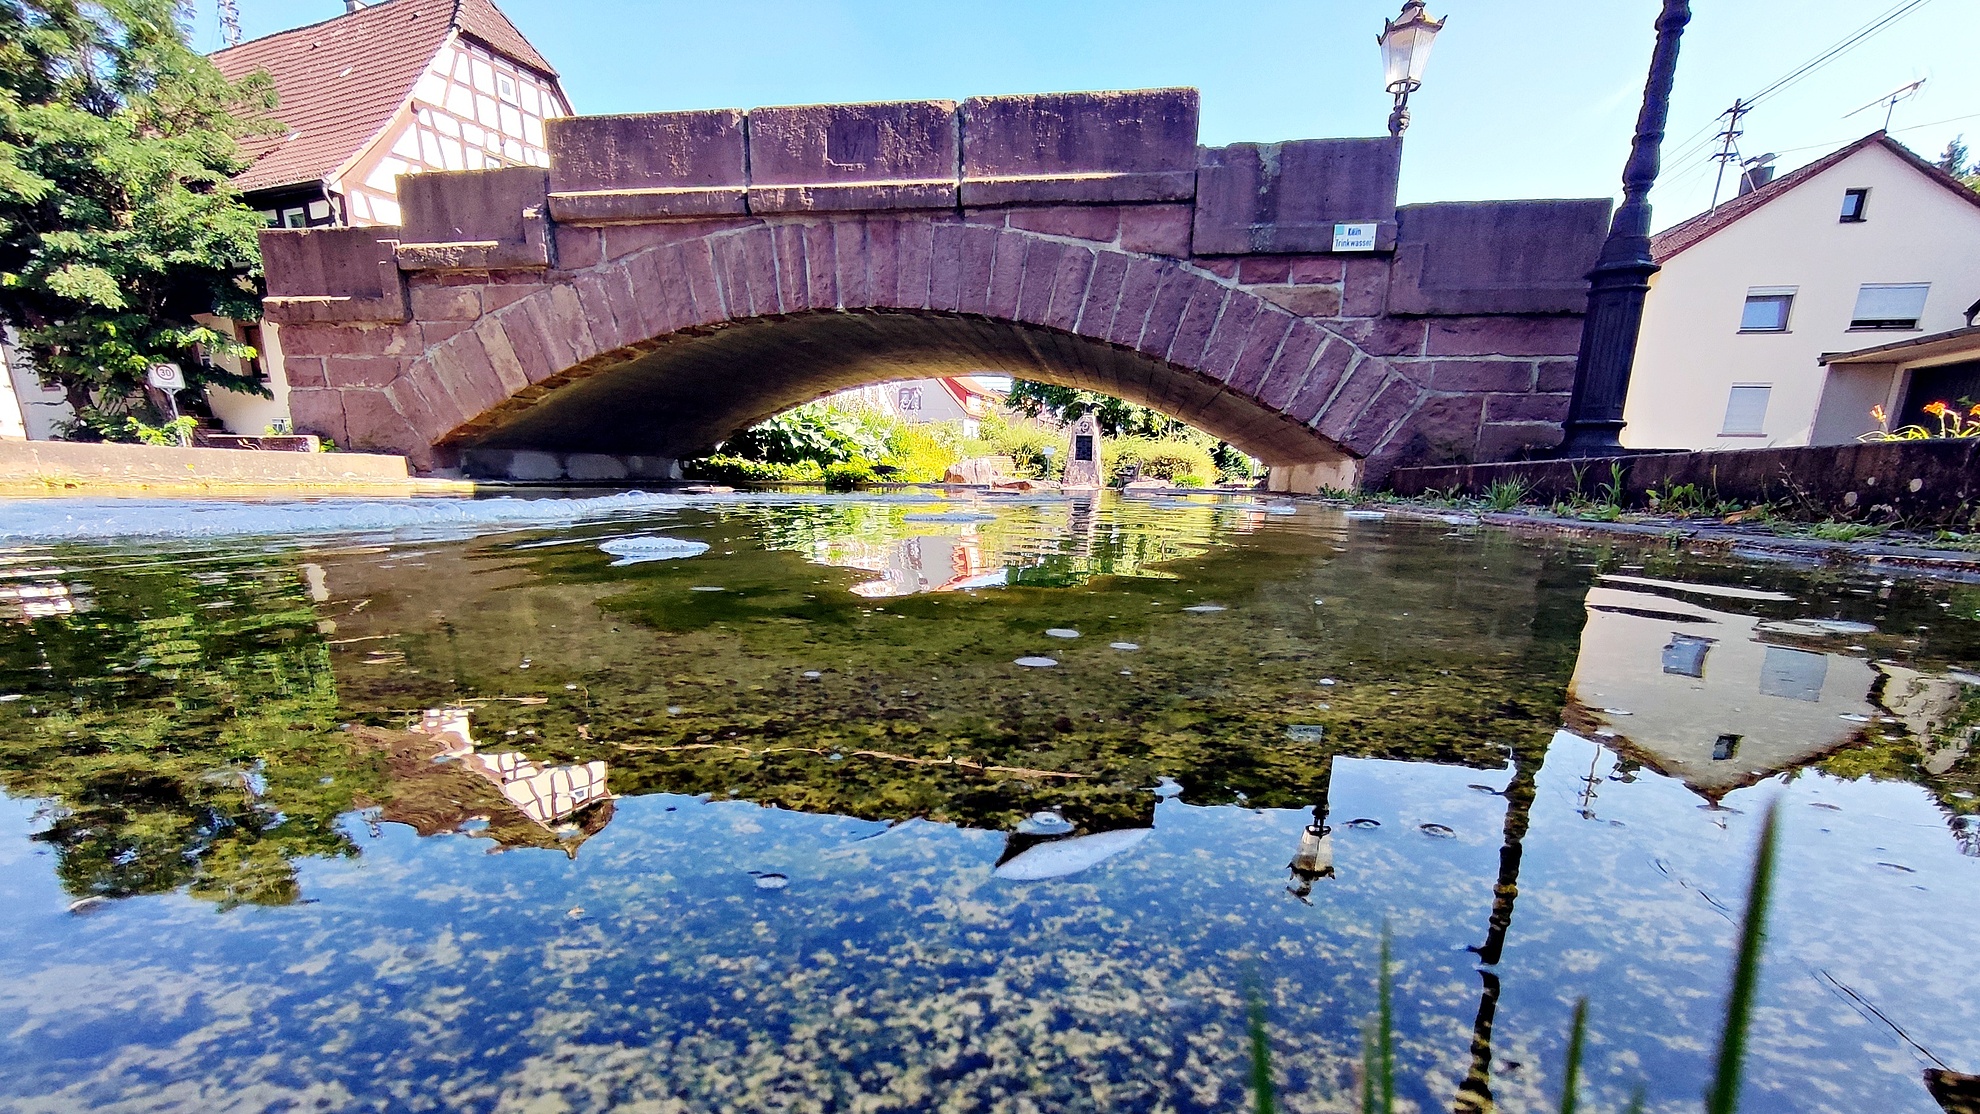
point(436, 518)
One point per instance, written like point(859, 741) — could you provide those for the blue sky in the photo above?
point(1523, 98)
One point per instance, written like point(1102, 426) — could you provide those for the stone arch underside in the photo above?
point(699, 389)
point(666, 351)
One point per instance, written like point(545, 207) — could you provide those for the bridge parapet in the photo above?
point(1454, 325)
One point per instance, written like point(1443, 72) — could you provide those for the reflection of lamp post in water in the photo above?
point(1314, 859)
point(1474, 1095)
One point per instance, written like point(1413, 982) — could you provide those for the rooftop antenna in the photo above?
point(1728, 151)
point(1890, 100)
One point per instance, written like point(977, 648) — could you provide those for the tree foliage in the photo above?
point(118, 221)
point(1064, 404)
point(1954, 159)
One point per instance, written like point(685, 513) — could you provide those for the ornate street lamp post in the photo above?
point(1621, 276)
point(1405, 45)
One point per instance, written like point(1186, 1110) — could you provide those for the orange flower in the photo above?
point(1936, 409)
point(1976, 410)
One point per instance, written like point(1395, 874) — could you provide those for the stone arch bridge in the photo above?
point(673, 278)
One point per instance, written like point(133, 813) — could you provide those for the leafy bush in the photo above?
point(726, 468)
point(1185, 463)
point(922, 453)
point(815, 433)
point(1025, 442)
point(845, 475)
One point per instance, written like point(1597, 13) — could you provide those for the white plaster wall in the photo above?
point(1691, 352)
point(12, 428)
point(246, 414)
point(43, 411)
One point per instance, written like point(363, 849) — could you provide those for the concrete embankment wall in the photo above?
point(64, 467)
point(1917, 482)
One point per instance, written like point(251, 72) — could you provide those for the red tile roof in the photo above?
point(1678, 237)
point(342, 80)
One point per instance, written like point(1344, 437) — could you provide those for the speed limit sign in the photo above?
point(167, 377)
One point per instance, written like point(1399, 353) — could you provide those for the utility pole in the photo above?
point(1729, 145)
point(1621, 276)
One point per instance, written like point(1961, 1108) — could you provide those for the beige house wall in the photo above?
point(244, 413)
point(1691, 351)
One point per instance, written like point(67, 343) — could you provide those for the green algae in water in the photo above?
point(283, 775)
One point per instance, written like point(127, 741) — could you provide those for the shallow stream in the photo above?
point(878, 803)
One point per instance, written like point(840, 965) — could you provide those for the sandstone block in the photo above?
point(1515, 440)
point(1287, 197)
point(1307, 301)
point(1504, 336)
point(1365, 287)
point(1267, 336)
point(1100, 223)
point(361, 371)
point(1156, 229)
point(1068, 292)
point(807, 158)
point(445, 303)
point(1079, 147)
point(1287, 371)
point(303, 372)
point(651, 151)
point(1526, 408)
point(1480, 375)
point(319, 412)
point(1103, 295)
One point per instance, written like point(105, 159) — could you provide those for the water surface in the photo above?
point(746, 804)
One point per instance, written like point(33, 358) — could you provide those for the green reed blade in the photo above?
point(1261, 1050)
point(1386, 1049)
point(1723, 1098)
point(1573, 1075)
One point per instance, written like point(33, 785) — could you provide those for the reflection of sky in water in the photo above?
point(897, 965)
point(645, 947)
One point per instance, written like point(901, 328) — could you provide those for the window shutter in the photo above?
point(1890, 301)
point(1746, 410)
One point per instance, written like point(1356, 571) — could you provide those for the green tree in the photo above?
point(1954, 160)
point(118, 221)
point(1063, 404)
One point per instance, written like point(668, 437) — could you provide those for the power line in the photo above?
point(1701, 142)
point(1849, 43)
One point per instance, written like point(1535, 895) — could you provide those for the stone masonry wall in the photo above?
point(1452, 340)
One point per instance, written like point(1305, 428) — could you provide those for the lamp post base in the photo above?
point(1593, 438)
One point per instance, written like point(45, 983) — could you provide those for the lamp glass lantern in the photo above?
point(1406, 43)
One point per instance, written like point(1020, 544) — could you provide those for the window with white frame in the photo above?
point(910, 398)
point(1766, 309)
point(1746, 410)
point(1889, 305)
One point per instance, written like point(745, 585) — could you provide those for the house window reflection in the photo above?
point(1793, 674)
point(1684, 655)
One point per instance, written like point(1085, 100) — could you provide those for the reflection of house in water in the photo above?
point(1035, 543)
point(30, 594)
point(440, 782)
point(926, 563)
point(1719, 700)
